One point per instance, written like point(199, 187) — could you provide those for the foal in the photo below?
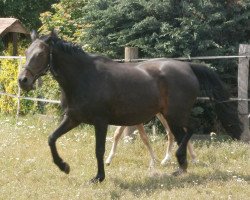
point(144, 137)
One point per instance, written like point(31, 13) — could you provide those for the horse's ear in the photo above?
point(33, 35)
point(50, 37)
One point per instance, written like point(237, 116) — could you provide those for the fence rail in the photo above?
point(187, 58)
point(12, 57)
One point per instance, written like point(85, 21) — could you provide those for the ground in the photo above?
point(27, 171)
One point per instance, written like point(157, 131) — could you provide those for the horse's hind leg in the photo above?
point(66, 125)
point(171, 142)
point(145, 140)
point(117, 136)
point(182, 137)
point(181, 152)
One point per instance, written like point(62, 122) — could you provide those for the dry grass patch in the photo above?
point(27, 171)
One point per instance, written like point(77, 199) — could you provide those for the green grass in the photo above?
point(27, 171)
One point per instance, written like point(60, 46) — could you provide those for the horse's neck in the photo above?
point(71, 71)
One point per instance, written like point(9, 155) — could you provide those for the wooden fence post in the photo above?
point(14, 42)
point(19, 89)
point(243, 73)
point(130, 54)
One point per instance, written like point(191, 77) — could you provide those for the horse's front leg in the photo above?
point(66, 125)
point(100, 135)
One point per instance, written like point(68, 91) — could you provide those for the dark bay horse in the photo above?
point(99, 91)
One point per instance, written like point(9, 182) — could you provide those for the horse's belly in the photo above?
point(133, 111)
point(130, 119)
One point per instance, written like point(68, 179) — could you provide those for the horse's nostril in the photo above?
point(23, 80)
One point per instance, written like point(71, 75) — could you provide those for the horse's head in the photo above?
point(37, 61)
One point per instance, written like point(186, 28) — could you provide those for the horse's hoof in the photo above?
point(179, 172)
point(107, 163)
point(65, 168)
point(97, 179)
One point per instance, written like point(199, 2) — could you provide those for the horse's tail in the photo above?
point(225, 109)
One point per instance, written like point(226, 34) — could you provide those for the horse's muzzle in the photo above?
point(25, 81)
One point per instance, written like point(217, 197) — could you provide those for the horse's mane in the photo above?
point(101, 58)
point(65, 46)
point(72, 48)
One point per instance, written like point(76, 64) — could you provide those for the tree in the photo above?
point(27, 11)
point(167, 28)
point(65, 18)
point(160, 28)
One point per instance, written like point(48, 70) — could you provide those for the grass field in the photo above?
point(27, 171)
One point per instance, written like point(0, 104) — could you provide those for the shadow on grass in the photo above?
point(168, 182)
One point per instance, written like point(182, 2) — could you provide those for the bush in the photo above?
point(9, 85)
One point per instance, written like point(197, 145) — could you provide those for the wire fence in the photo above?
point(188, 58)
point(21, 58)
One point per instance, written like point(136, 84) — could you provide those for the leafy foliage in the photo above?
point(64, 19)
point(27, 11)
point(8, 84)
point(167, 28)
point(164, 29)
point(160, 28)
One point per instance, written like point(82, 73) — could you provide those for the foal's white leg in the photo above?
point(170, 141)
point(191, 152)
point(117, 136)
point(145, 140)
point(170, 144)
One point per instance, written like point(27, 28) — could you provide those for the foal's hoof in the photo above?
point(65, 168)
point(108, 162)
point(166, 160)
point(179, 172)
point(194, 161)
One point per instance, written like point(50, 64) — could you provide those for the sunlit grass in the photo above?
point(27, 171)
